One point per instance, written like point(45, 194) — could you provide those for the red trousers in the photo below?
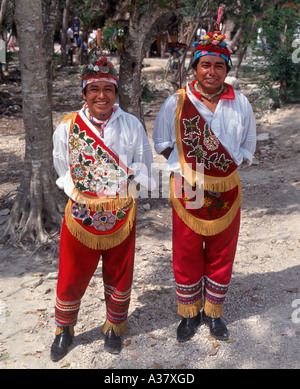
point(77, 264)
point(203, 267)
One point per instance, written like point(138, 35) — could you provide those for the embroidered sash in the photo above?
point(103, 212)
point(202, 156)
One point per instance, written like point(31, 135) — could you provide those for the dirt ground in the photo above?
point(262, 309)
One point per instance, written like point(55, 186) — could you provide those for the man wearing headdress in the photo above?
point(205, 130)
point(101, 154)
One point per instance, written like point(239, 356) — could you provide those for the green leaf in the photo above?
point(120, 215)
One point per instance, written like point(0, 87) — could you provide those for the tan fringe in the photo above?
point(119, 329)
point(70, 116)
point(100, 242)
point(213, 310)
point(180, 101)
point(205, 227)
point(214, 184)
point(101, 203)
point(60, 330)
point(190, 310)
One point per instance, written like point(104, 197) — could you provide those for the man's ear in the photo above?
point(83, 95)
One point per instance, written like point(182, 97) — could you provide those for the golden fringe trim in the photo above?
point(215, 184)
point(213, 310)
point(205, 227)
point(70, 116)
point(100, 242)
point(60, 330)
point(99, 203)
point(119, 329)
point(190, 310)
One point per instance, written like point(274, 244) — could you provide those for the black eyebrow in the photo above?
point(217, 63)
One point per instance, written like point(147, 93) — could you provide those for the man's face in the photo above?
point(211, 72)
point(100, 96)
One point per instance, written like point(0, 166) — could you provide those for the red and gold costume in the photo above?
point(206, 212)
point(204, 148)
point(99, 221)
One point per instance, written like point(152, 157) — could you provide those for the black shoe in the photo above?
point(218, 329)
point(187, 328)
point(112, 342)
point(60, 346)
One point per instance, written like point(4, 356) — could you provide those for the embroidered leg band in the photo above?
point(189, 298)
point(214, 297)
point(117, 305)
point(66, 312)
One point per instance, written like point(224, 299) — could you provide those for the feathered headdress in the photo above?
point(97, 68)
point(213, 43)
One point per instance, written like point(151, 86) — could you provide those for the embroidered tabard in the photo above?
point(210, 206)
point(103, 212)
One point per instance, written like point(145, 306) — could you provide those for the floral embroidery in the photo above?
point(80, 211)
point(101, 221)
point(88, 150)
point(79, 172)
point(191, 126)
point(104, 221)
point(211, 202)
point(197, 198)
point(223, 163)
point(211, 142)
point(95, 186)
point(93, 169)
point(199, 154)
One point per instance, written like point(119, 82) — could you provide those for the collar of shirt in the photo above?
point(228, 92)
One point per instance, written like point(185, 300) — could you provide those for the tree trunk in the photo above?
point(245, 40)
point(131, 59)
point(63, 42)
point(2, 12)
point(50, 12)
point(142, 31)
point(35, 209)
point(241, 54)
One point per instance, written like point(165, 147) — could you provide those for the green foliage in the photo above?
point(145, 6)
point(278, 24)
point(109, 34)
point(191, 9)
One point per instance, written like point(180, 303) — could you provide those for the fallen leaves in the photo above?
point(36, 354)
point(4, 356)
point(216, 345)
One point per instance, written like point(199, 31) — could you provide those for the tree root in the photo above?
point(35, 214)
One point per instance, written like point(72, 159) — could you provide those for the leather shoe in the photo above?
point(187, 328)
point(60, 346)
point(217, 328)
point(112, 342)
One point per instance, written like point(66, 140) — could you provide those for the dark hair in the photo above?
point(228, 67)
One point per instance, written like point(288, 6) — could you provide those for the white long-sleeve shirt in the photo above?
point(124, 135)
point(232, 122)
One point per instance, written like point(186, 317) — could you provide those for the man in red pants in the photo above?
point(205, 130)
point(100, 154)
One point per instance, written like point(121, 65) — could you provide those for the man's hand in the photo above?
point(166, 153)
